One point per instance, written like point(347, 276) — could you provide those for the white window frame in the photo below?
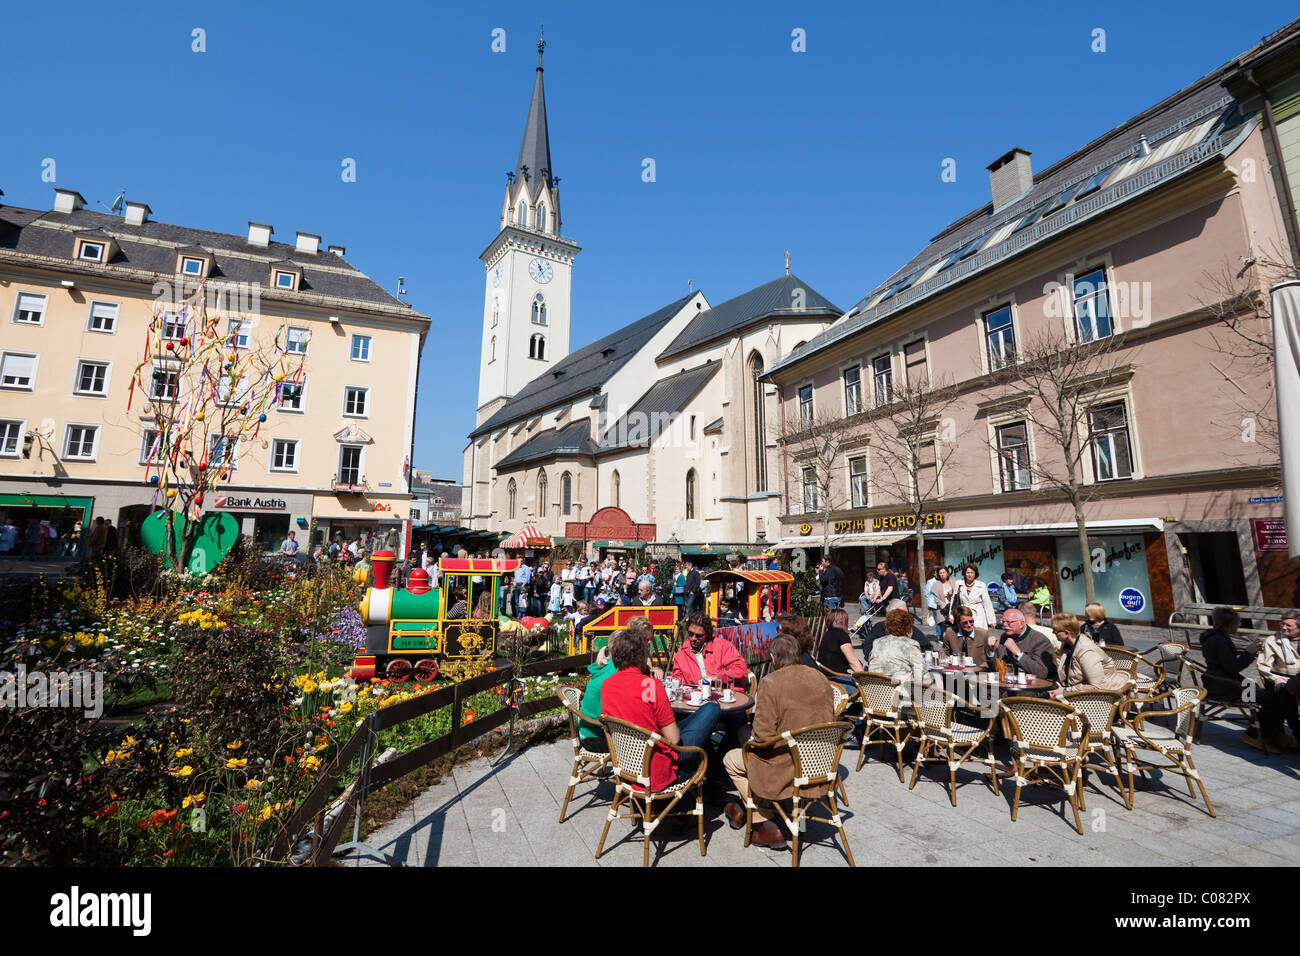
point(85, 244)
point(1065, 293)
point(1109, 396)
point(21, 427)
point(147, 437)
point(275, 446)
point(888, 355)
point(18, 302)
point(865, 475)
point(154, 382)
point(981, 313)
point(281, 274)
point(290, 341)
point(365, 413)
point(94, 442)
point(857, 403)
point(352, 348)
point(805, 488)
point(808, 409)
point(112, 320)
point(31, 382)
point(300, 406)
point(185, 262)
point(924, 338)
point(108, 374)
point(1020, 417)
point(231, 461)
point(241, 330)
point(932, 439)
point(361, 463)
point(230, 396)
point(172, 323)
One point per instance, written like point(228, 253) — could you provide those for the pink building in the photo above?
point(1135, 247)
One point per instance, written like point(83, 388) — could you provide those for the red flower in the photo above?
point(288, 760)
point(241, 807)
point(469, 716)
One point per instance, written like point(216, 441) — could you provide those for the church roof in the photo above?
point(535, 149)
point(788, 296)
point(573, 439)
point(584, 371)
point(645, 420)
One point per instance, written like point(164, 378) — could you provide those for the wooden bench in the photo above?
point(1182, 619)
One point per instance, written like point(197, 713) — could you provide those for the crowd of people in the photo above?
point(39, 539)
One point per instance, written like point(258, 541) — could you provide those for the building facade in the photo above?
point(1137, 252)
point(78, 289)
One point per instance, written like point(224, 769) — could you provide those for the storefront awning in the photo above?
point(880, 540)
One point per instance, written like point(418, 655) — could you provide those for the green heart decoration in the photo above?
point(214, 537)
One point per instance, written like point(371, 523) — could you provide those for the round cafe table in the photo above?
point(1036, 687)
point(741, 702)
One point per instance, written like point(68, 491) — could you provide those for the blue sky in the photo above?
point(834, 153)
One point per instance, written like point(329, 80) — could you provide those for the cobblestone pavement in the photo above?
point(507, 815)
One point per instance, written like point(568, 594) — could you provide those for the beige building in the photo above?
point(77, 291)
point(1138, 241)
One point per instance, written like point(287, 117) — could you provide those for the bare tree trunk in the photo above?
point(1089, 589)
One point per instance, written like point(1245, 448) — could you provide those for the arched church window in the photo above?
point(521, 214)
point(541, 217)
point(492, 349)
point(690, 494)
point(539, 310)
point(510, 497)
point(614, 483)
point(541, 494)
point(760, 422)
point(566, 493)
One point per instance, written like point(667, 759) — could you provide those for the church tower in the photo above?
point(526, 297)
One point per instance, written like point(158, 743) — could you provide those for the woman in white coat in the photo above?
point(971, 592)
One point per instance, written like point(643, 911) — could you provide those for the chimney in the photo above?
point(137, 213)
point(339, 251)
point(307, 243)
point(259, 234)
point(1010, 176)
point(68, 200)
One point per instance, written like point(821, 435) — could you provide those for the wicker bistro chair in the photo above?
point(1145, 685)
point(1101, 708)
point(1212, 707)
point(883, 714)
point(816, 751)
point(587, 764)
point(942, 735)
point(631, 748)
point(1138, 735)
point(1048, 745)
point(1171, 659)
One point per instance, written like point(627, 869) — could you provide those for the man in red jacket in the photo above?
point(704, 656)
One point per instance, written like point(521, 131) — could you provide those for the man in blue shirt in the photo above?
point(523, 575)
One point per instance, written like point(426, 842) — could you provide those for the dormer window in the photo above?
point(191, 266)
point(91, 251)
point(284, 280)
point(286, 275)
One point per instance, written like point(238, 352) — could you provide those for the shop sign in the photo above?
point(249, 503)
point(1132, 600)
point(985, 553)
point(853, 524)
point(381, 506)
point(1270, 534)
point(805, 528)
point(1265, 499)
point(905, 522)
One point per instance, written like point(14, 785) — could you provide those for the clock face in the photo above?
point(496, 277)
point(541, 271)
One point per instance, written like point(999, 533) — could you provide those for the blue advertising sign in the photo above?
point(1132, 600)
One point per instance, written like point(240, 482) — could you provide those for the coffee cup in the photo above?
point(728, 695)
point(697, 698)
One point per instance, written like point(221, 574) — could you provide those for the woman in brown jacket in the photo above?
point(791, 696)
point(1084, 665)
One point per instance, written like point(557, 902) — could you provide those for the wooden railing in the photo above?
point(313, 808)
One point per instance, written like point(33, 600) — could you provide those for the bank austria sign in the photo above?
point(249, 503)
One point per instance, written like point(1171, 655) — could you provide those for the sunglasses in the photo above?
point(695, 633)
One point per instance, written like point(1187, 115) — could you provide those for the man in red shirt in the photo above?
point(633, 695)
point(717, 658)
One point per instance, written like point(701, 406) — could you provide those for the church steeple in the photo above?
point(534, 165)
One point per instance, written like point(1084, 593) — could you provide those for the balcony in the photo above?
point(349, 484)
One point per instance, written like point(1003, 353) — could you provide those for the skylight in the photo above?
point(1094, 184)
point(963, 251)
point(900, 286)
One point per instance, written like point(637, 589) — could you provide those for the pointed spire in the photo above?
point(535, 150)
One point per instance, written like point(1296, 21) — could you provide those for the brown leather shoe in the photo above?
point(768, 835)
point(735, 815)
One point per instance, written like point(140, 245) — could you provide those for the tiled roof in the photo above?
point(787, 296)
point(644, 421)
point(153, 247)
point(1181, 132)
point(573, 439)
point(582, 372)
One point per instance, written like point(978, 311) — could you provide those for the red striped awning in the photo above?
point(745, 574)
point(528, 537)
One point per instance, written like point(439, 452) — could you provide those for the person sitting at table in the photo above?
point(836, 651)
point(1031, 618)
point(1084, 665)
point(790, 697)
point(896, 654)
point(633, 695)
point(1102, 631)
point(642, 628)
point(1024, 647)
point(923, 640)
point(964, 639)
point(598, 670)
point(796, 628)
point(704, 656)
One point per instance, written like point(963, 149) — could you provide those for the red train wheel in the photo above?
point(426, 669)
point(398, 669)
